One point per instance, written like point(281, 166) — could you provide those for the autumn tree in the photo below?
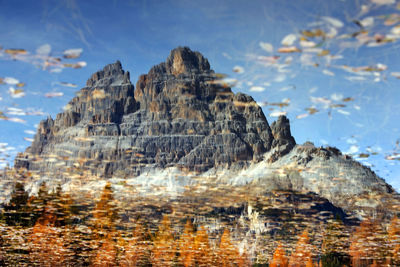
point(17, 211)
point(302, 255)
point(335, 245)
point(105, 212)
point(186, 245)
point(279, 258)
point(46, 242)
point(228, 253)
point(394, 241)
point(164, 247)
point(136, 252)
point(368, 244)
point(203, 255)
point(106, 254)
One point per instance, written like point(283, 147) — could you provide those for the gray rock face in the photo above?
point(178, 115)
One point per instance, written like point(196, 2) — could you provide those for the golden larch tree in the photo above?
point(137, 250)
point(164, 248)
point(394, 241)
point(279, 258)
point(46, 241)
point(203, 255)
point(228, 253)
point(186, 245)
point(368, 244)
point(106, 254)
point(104, 213)
point(302, 255)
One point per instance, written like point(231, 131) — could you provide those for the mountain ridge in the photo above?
point(181, 116)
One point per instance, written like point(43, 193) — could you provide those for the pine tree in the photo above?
point(17, 211)
point(335, 245)
point(279, 258)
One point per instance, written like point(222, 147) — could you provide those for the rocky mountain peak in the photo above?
point(177, 116)
point(111, 73)
point(183, 60)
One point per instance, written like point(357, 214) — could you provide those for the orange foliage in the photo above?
point(137, 251)
point(104, 213)
point(202, 254)
point(279, 258)
point(47, 248)
point(186, 245)
point(228, 254)
point(302, 254)
point(367, 244)
point(164, 247)
point(106, 255)
point(394, 240)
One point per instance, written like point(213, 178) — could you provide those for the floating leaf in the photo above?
point(18, 120)
point(77, 65)
point(394, 156)
point(337, 106)
point(307, 44)
point(277, 113)
point(29, 132)
point(289, 39)
point(348, 99)
point(14, 52)
point(68, 84)
point(266, 47)
point(367, 22)
point(312, 110)
point(302, 116)
point(257, 89)
point(343, 112)
point(10, 80)
point(323, 53)
point(16, 93)
point(28, 139)
point(73, 53)
point(383, 2)
point(53, 94)
point(334, 22)
point(238, 69)
point(289, 49)
point(328, 72)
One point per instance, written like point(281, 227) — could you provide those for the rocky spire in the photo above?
point(182, 60)
point(283, 141)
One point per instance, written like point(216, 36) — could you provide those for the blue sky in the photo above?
point(347, 79)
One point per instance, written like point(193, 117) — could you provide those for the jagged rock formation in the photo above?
point(178, 115)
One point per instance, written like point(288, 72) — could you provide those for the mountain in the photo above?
point(182, 127)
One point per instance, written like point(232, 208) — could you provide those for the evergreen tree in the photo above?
point(335, 245)
point(17, 211)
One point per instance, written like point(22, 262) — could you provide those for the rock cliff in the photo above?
point(181, 118)
point(177, 116)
